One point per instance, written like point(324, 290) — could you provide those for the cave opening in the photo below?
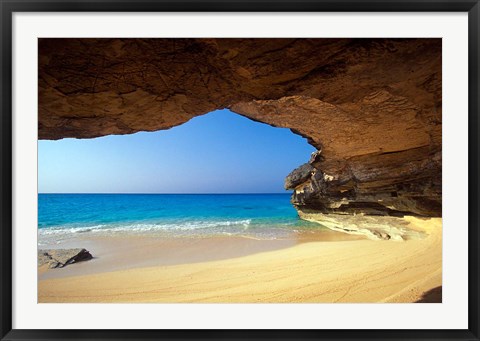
point(218, 173)
point(219, 152)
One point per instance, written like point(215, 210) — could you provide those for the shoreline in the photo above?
point(314, 271)
point(128, 251)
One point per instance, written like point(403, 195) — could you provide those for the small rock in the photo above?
point(59, 258)
point(381, 235)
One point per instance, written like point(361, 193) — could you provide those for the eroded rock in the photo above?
point(373, 107)
point(298, 176)
point(371, 226)
point(59, 258)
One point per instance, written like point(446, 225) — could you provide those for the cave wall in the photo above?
point(371, 107)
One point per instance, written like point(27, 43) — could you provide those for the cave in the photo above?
point(372, 108)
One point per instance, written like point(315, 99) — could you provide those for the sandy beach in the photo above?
point(309, 271)
point(281, 170)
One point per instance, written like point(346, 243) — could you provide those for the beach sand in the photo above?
point(358, 270)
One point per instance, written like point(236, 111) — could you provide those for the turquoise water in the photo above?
point(265, 216)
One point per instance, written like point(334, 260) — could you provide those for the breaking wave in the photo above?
point(220, 226)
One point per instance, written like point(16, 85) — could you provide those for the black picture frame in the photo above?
point(8, 7)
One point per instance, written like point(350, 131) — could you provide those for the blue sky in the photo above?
point(220, 152)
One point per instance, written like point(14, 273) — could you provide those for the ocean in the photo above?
point(259, 216)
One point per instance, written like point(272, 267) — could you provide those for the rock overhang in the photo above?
point(371, 106)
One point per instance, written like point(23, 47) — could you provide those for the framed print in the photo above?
point(236, 170)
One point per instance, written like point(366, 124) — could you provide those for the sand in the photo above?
point(315, 271)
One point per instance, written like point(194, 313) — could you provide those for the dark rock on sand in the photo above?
point(59, 258)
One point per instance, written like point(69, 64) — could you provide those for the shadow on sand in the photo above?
point(432, 296)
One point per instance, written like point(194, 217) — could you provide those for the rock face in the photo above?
point(371, 107)
point(59, 258)
point(392, 184)
point(299, 176)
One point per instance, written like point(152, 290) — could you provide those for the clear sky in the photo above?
point(220, 152)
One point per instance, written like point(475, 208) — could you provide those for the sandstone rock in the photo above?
point(372, 106)
point(298, 176)
point(59, 258)
point(391, 184)
point(374, 227)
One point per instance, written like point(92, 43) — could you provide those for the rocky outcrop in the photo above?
point(59, 258)
point(372, 226)
point(390, 184)
point(299, 176)
point(371, 107)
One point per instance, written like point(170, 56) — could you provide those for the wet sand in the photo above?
point(127, 251)
point(231, 269)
